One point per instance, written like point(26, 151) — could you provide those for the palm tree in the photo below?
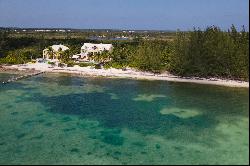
point(90, 55)
point(97, 57)
point(50, 52)
point(59, 53)
point(105, 56)
point(65, 55)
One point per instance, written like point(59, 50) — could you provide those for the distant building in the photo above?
point(54, 51)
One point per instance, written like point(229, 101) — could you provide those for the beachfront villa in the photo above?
point(90, 49)
point(54, 51)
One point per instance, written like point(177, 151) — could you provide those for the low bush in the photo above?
point(70, 64)
point(107, 66)
point(51, 63)
point(61, 65)
point(85, 64)
point(98, 66)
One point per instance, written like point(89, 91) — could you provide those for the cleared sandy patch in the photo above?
point(148, 98)
point(180, 112)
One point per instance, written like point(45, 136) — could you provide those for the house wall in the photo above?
point(55, 49)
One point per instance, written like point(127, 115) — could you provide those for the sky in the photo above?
point(124, 14)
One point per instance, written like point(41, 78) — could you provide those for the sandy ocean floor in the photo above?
point(59, 118)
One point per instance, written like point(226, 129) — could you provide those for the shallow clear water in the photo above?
point(65, 119)
point(6, 76)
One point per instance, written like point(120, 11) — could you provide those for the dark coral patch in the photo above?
point(19, 136)
point(14, 113)
point(113, 140)
point(70, 129)
point(74, 150)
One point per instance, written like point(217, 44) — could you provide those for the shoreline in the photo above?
point(130, 74)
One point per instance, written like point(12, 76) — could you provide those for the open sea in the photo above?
point(67, 119)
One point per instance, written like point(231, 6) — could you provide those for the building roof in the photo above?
point(57, 47)
point(75, 56)
point(99, 46)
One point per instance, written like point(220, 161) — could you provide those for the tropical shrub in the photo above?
point(85, 64)
point(71, 64)
point(61, 65)
point(98, 66)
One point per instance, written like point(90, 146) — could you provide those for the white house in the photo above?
point(88, 48)
point(56, 49)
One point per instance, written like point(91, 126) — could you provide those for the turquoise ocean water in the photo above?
point(66, 119)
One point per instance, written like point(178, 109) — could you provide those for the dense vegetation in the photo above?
point(208, 53)
point(212, 53)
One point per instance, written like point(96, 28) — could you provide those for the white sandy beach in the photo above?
point(129, 73)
